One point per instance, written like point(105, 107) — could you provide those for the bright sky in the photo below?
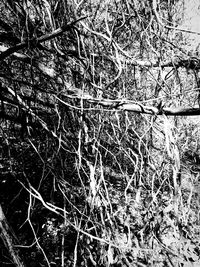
point(192, 22)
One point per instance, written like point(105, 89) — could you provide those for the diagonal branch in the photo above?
point(9, 240)
point(39, 40)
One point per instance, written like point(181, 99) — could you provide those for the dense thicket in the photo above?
point(93, 172)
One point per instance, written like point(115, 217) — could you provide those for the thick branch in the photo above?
point(128, 105)
point(182, 111)
point(41, 39)
point(189, 63)
point(179, 111)
point(170, 111)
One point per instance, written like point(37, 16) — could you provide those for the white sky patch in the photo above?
point(192, 22)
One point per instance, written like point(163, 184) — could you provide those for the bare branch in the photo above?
point(131, 106)
point(35, 42)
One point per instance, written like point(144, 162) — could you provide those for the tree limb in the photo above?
point(170, 111)
point(37, 41)
point(128, 105)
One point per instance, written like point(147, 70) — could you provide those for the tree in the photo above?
point(86, 90)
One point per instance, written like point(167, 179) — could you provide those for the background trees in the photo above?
point(98, 173)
